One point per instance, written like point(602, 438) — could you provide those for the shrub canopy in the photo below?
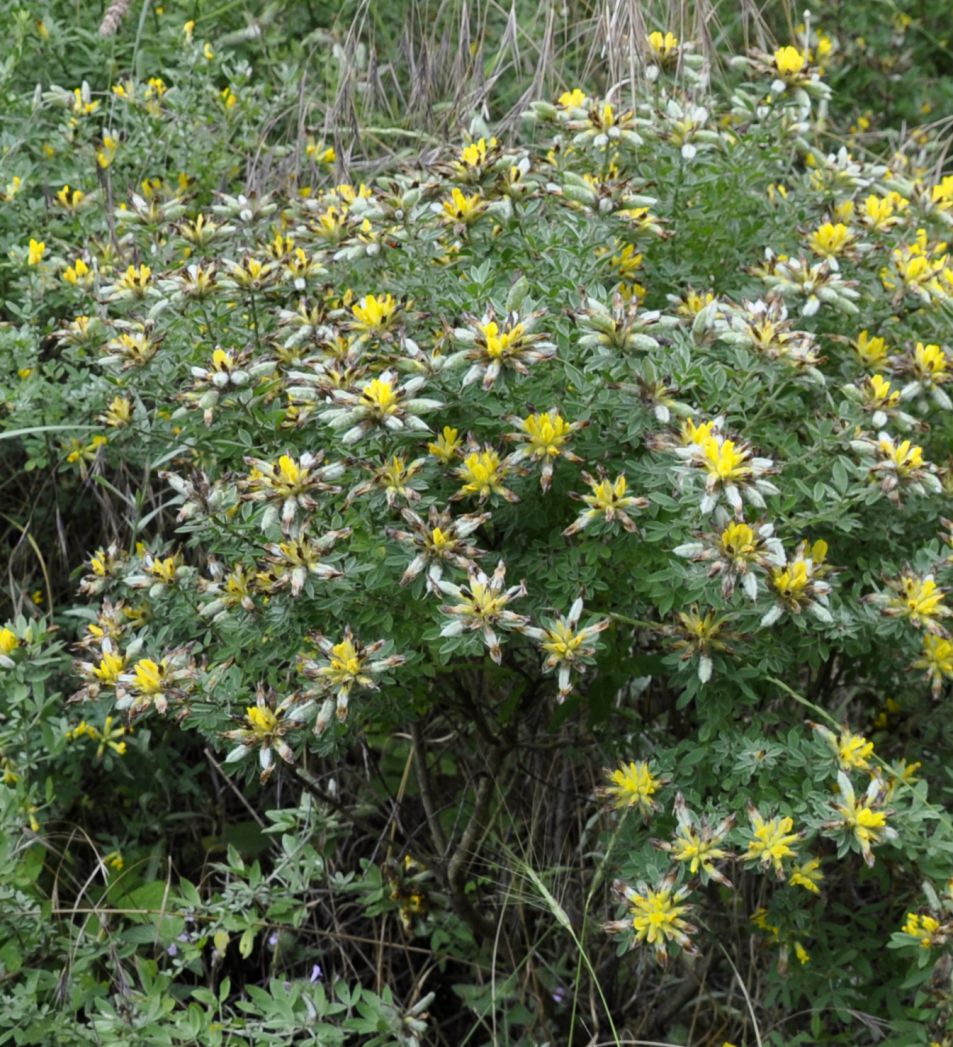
point(618, 441)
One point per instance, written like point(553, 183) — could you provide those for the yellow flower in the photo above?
point(82, 730)
point(655, 916)
point(930, 363)
point(99, 563)
point(866, 823)
point(907, 771)
point(608, 499)
point(871, 349)
point(107, 151)
point(663, 45)
point(738, 541)
point(9, 641)
point(322, 154)
point(135, 280)
point(701, 628)
point(853, 750)
point(445, 447)
point(111, 738)
point(77, 273)
point(484, 603)
point(830, 240)
point(228, 97)
point(70, 198)
point(148, 676)
point(83, 453)
point(222, 360)
point(462, 208)
point(251, 272)
point(692, 303)
point(880, 211)
point(289, 472)
point(627, 261)
point(345, 663)
point(723, 461)
point(605, 118)
point(547, 433)
point(789, 61)
point(920, 600)
point(698, 636)
point(937, 660)
point(905, 456)
point(12, 188)
point(772, 841)
point(35, 252)
point(881, 392)
point(807, 875)
point(497, 342)
point(576, 99)
point(844, 211)
point(562, 642)
point(858, 817)
point(82, 104)
point(691, 433)
point(165, 570)
point(474, 154)
point(633, 785)
point(440, 539)
point(777, 189)
point(482, 473)
point(374, 314)
point(691, 847)
point(760, 919)
point(263, 721)
point(109, 669)
point(380, 397)
point(803, 956)
point(607, 495)
point(942, 194)
point(923, 927)
point(331, 224)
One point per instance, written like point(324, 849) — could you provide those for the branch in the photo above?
point(426, 797)
point(465, 851)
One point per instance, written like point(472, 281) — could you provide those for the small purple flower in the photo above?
point(273, 940)
point(173, 950)
point(316, 973)
point(559, 994)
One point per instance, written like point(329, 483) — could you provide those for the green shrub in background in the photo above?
point(516, 603)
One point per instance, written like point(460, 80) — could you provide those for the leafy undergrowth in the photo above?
point(515, 610)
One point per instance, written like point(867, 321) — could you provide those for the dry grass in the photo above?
point(450, 61)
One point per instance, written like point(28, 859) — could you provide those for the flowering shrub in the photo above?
point(619, 442)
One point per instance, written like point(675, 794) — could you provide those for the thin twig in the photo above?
point(248, 807)
point(426, 796)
